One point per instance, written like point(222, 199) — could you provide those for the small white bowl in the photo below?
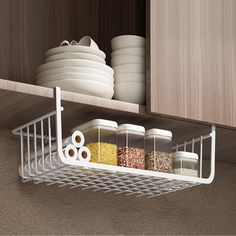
point(130, 68)
point(83, 70)
point(76, 76)
point(87, 87)
point(140, 52)
point(125, 41)
point(75, 63)
point(88, 41)
point(133, 92)
point(75, 55)
point(126, 59)
point(130, 77)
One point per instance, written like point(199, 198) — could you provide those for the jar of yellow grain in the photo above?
point(100, 138)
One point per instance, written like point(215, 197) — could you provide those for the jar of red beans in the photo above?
point(130, 141)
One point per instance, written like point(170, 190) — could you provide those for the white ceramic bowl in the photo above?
point(76, 48)
point(84, 70)
point(83, 86)
point(75, 55)
point(88, 41)
point(75, 63)
point(130, 77)
point(133, 92)
point(75, 76)
point(130, 68)
point(140, 52)
point(125, 41)
point(126, 59)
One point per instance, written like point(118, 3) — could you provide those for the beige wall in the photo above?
point(37, 209)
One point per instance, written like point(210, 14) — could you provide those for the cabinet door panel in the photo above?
point(191, 66)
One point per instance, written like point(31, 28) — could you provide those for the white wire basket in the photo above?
point(54, 168)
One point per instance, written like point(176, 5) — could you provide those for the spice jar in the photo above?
point(158, 145)
point(130, 140)
point(185, 163)
point(100, 138)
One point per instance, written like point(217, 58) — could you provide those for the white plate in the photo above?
point(125, 41)
point(83, 86)
point(130, 68)
point(75, 70)
point(130, 77)
point(140, 52)
point(75, 48)
point(126, 59)
point(130, 92)
point(74, 55)
point(75, 63)
point(75, 76)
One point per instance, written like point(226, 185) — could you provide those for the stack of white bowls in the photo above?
point(77, 67)
point(128, 62)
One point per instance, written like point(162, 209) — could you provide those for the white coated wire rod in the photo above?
point(177, 148)
point(43, 117)
point(42, 144)
point(28, 150)
point(185, 144)
point(22, 154)
point(190, 141)
point(50, 141)
point(32, 135)
point(35, 148)
point(201, 150)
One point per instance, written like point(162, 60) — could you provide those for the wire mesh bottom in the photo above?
point(110, 181)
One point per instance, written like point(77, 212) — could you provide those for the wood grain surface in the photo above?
point(29, 28)
point(192, 64)
point(28, 209)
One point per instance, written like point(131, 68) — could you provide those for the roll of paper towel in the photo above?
point(70, 152)
point(77, 139)
point(84, 154)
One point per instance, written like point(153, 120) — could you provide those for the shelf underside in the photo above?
point(111, 181)
point(20, 103)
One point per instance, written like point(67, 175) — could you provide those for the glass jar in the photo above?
point(185, 163)
point(130, 140)
point(158, 145)
point(100, 138)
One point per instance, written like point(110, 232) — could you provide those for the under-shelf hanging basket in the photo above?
point(62, 171)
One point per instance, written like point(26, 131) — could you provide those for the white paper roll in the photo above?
point(71, 152)
point(77, 139)
point(84, 154)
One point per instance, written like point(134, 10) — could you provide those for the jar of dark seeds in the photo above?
point(130, 140)
point(158, 145)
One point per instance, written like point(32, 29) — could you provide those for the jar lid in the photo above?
point(96, 122)
point(130, 127)
point(183, 154)
point(159, 132)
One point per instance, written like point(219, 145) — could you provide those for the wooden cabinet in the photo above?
point(191, 55)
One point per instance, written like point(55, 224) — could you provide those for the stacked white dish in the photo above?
point(128, 63)
point(77, 67)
